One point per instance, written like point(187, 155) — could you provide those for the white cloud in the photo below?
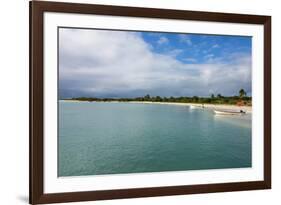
point(122, 64)
point(209, 56)
point(174, 52)
point(185, 39)
point(162, 40)
point(216, 46)
point(191, 60)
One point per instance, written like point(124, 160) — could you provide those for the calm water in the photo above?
point(112, 138)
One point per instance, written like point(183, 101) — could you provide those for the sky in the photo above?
point(116, 64)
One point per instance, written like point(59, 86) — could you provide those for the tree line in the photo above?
point(241, 99)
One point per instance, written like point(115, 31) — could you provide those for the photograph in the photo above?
point(147, 101)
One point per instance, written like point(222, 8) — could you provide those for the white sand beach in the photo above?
point(247, 109)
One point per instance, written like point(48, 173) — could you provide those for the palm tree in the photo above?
point(242, 93)
point(147, 97)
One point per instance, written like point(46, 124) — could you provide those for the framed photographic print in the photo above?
point(139, 102)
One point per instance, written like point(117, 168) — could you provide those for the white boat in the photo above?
point(196, 106)
point(229, 112)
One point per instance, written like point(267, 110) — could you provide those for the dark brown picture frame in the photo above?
point(37, 8)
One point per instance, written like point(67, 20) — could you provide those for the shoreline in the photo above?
point(248, 109)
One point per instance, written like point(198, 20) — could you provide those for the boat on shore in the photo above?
point(196, 106)
point(229, 112)
point(193, 107)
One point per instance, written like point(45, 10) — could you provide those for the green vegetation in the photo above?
point(242, 93)
point(242, 99)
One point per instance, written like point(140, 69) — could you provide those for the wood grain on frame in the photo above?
point(37, 8)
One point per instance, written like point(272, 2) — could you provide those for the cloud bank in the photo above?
point(101, 63)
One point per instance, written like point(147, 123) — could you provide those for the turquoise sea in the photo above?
point(113, 138)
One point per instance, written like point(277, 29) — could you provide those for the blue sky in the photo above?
point(104, 63)
point(198, 48)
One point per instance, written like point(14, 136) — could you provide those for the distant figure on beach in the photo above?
point(203, 105)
